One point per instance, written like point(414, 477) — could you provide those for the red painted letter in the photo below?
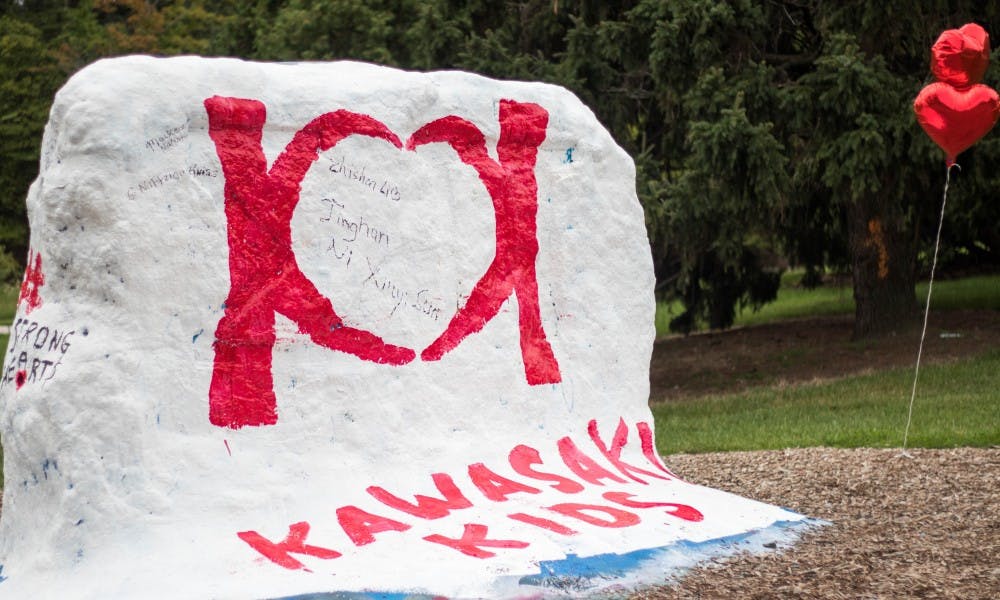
point(585, 467)
point(618, 517)
point(522, 457)
point(614, 452)
point(426, 507)
point(496, 487)
point(264, 275)
point(681, 511)
point(473, 541)
point(512, 186)
point(361, 526)
point(33, 280)
point(280, 553)
point(649, 449)
point(542, 523)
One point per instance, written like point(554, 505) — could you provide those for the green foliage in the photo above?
point(27, 73)
point(859, 109)
point(761, 131)
point(437, 29)
point(329, 29)
point(956, 406)
point(10, 271)
point(826, 91)
point(729, 175)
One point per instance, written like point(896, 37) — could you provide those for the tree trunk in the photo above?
point(883, 259)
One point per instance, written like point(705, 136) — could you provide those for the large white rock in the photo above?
point(274, 311)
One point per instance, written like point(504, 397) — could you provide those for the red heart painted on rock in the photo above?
point(265, 278)
point(956, 118)
point(960, 56)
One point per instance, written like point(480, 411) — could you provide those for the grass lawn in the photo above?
point(956, 405)
point(982, 292)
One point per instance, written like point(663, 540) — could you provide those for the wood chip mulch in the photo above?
point(921, 527)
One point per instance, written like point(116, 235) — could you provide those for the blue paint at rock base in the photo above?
point(643, 567)
point(359, 596)
point(576, 576)
point(574, 571)
point(2, 578)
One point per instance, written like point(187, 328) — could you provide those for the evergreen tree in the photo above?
point(780, 125)
point(761, 130)
point(29, 76)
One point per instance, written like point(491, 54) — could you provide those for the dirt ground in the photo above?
point(805, 350)
point(921, 527)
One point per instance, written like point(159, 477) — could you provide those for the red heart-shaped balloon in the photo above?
point(956, 118)
point(960, 56)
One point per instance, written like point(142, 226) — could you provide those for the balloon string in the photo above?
point(927, 309)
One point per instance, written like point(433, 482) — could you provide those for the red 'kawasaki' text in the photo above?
point(362, 526)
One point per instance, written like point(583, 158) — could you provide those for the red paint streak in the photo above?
point(361, 526)
point(514, 191)
point(226, 442)
point(681, 511)
point(616, 517)
point(523, 457)
point(473, 541)
point(494, 486)
point(649, 449)
point(32, 282)
point(585, 467)
point(614, 452)
point(426, 507)
point(281, 552)
point(264, 275)
point(543, 523)
point(20, 378)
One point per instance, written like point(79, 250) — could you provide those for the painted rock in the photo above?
point(336, 329)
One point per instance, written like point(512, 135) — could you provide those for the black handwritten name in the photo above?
point(355, 228)
point(202, 171)
point(167, 139)
point(342, 248)
point(389, 190)
point(36, 351)
point(424, 305)
point(344, 255)
point(359, 174)
point(154, 182)
point(359, 227)
point(418, 301)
